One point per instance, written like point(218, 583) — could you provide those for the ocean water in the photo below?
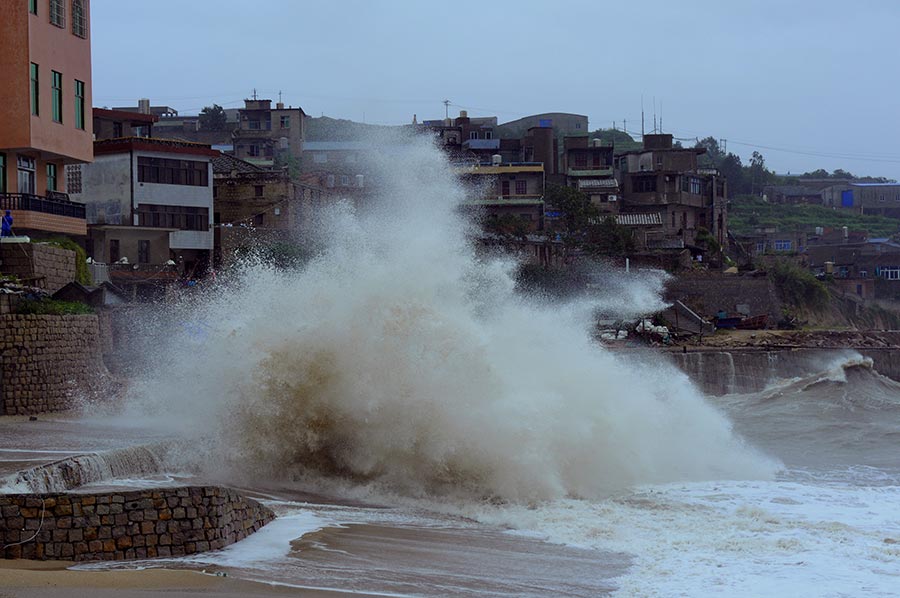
point(423, 428)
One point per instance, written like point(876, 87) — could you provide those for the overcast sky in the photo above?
point(811, 83)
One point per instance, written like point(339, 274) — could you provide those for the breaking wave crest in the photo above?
point(401, 358)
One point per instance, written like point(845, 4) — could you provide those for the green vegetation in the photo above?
point(622, 141)
point(324, 128)
point(82, 274)
point(52, 307)
point(507, 226)
point(745, 213)
point(609, 238)
point(799, 289)
point(213, 118)
point(705, 237)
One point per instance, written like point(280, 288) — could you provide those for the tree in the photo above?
point(578, 211)
point(714, 154)
point(212, 118)
point(733, 171)
point(610, 238)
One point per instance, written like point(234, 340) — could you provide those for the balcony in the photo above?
point(54, 213)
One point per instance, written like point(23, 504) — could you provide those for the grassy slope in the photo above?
point(747, 213)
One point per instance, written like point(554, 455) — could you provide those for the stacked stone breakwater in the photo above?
point(162, 522)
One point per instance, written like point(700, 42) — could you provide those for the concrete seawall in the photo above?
point(127, 525)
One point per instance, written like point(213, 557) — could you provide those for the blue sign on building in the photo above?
point(545, 123)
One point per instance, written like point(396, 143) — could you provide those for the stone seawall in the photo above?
point(46, 360)
point(43, 266)
point(128, 525)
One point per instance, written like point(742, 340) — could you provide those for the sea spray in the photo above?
point(401, 358)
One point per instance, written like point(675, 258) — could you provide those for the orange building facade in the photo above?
point(46, 121)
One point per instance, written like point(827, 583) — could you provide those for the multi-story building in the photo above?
point(256, 207)
point(499, 189)
point(149, 205)
point(588, 166)
point(45, 74)
point(465, 138)
point(667, 181)
point(264, 133)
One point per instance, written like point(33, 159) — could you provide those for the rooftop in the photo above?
point(120, 145)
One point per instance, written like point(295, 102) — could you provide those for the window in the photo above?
point(2, 173)
point(259, 219)
point(35, 90)
point(253, 124)
point(596, 156)
point(73, 178)
point(173, 172)
point(580, 161)
point(521, 187)
point(504, 188)
point(32, 6)
point(58, 13)
point(320, 158)
point(644, 184)
point(783, 245)
point(79, 104)
point(25, 174)
point(345, 180)
point(253, 150)
point(488, 134)
point(760, 247)
point(51, 177)
point(690, 184)
point(78, 21)
point(177, 217)
point(473, 134)
point(890, 273)
point(113, 250)
point(143, 251)
point(285, 122)
point(57, 97)
point(258, 190)
point(117, 129)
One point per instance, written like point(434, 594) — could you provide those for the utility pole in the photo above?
point(254, 94)
point(446, 108)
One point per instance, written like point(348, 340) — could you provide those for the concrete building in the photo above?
point(664, 180)
point(264, 134)
point(588, 166)
point(149, 201)
point(871, 199)
point(113, 124)
point(256, 207)
point(499, 189)
point(853, 264)
point(45, 74)
point(465, 138)
point(792, 194)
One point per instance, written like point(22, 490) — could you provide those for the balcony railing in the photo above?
point(54, 203)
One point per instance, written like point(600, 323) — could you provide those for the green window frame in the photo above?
point(51, 177)
point(79, 104)
point(32, 6)
point(35, 90)
point(57, 97)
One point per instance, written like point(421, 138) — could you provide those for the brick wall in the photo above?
point(43, 266)
point(130, 525)
point(46, 360)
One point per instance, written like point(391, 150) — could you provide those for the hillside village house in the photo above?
point(149, 205)
point(45, 124)
point(264, 134)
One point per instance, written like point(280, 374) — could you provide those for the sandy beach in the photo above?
point(45, 579)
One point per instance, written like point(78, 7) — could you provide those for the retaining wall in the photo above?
point(46, 360)
point(43, 266)
point(130, 525)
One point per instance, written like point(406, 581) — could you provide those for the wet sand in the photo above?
point(40, 579)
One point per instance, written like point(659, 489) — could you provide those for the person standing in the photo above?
point(6, 226)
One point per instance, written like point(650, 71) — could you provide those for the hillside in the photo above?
point(746, 213)
point(325, 128)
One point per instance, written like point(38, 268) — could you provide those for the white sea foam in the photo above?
point(739, 539)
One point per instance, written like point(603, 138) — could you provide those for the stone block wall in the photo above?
point(708, 292)
point(44, 266)
point(46, 360)
point(130, 525)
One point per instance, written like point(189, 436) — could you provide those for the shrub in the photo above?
point(52, 307)
point(798, 287)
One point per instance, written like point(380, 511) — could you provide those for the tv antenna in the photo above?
point(446, 108)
